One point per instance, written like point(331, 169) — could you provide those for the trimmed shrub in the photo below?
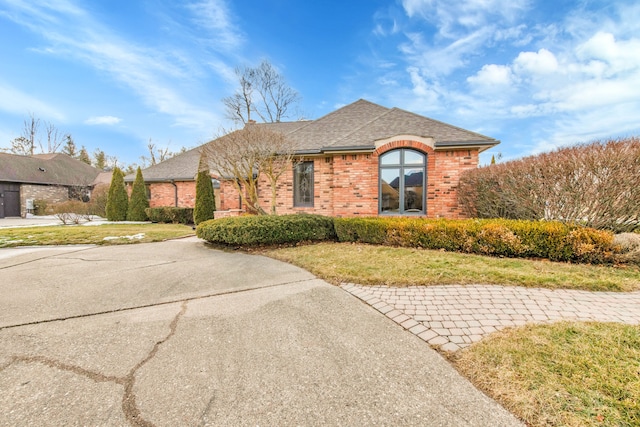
point(117, 200)
point(629, 244)
point(535, 239)
point(267, 229)
point(139, 202)
point(205, 198)
point(40, 207)
point(170, 214)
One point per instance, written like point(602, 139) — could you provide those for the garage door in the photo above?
point(9, 200)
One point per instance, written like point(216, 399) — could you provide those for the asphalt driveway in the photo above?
point(177, 333)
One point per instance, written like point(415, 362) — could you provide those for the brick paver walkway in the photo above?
point(453, 317)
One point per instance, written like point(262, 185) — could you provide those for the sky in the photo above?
point(117, 74)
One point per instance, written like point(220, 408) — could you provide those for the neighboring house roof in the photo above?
point(356, 126)
point(48, 169)
point(183, 167)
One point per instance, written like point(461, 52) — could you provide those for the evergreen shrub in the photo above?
point(138, 202)
point(170, 214)
point(117, 200)
point(205, 205)
point(267, 229)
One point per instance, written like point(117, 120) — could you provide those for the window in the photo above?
point(303, 184)
point(403, 175)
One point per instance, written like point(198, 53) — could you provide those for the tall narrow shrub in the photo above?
point(139, 201)
point(117, 201)
point(205, 204)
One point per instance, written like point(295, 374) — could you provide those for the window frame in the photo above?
point(297, 203)
point(401, 166)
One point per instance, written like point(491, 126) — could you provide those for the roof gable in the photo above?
point(400, 122)
point(329, 129)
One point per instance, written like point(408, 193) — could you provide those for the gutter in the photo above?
point(175, 189)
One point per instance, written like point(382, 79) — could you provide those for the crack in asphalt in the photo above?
point(44, 257)
point(203, 417)
point(129, 405)
point(157, 304)
point(95, 376)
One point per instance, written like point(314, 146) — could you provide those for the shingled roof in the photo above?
point(356, 126)
point(47, 169)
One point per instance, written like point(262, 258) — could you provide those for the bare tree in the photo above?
point(263, 91)
point(54, 138)
point(243, 155)
point(157, 154)
point(30, 140)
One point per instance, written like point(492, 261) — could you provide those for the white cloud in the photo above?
point(214, 17)
point(492, 75)
point(15, 101)
point(541, 62)
point(155, 76)
point(620, 55)
point(452, 18)
point(103, 120)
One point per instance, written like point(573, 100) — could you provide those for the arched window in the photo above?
point(403, 175)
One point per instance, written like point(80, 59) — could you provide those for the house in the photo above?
point(53, 177)
point(360, 160)
point(172, 182)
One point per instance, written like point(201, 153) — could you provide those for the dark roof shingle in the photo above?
point(51, 169)
point(355, 126)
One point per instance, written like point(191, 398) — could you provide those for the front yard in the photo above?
point(566, 373)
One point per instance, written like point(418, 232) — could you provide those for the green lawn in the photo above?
point(564, 374)
point(105, 234)
point(373, 265)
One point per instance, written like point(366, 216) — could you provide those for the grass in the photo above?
point(374, 265)
point(94, 234)
point(563, 374)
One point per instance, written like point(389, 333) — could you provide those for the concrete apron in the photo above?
point(176, 333)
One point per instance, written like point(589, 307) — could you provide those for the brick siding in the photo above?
point(346, 185)
point(164, 194)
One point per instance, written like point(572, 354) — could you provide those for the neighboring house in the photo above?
point(360, 160)
point(53, 177)
point(173, 181)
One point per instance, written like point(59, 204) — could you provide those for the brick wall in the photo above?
point(164, 194)
point(444, 179)
point(51, 193)
point(346, 185)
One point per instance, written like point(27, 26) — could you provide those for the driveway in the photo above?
point(179, 334)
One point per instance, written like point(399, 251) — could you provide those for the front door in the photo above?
point(9, 200)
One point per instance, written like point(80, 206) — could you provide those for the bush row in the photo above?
point(509, 238)
point(267, 229)
point(592, 184)
point(170, 214)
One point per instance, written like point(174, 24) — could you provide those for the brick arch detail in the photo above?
point(404, 143)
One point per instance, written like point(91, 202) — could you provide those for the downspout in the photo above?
point(175, 190)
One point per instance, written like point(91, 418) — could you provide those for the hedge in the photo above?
point(510, 238)
point(170, 214)
point(267, 229)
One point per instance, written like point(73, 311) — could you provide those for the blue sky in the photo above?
point(114, 74)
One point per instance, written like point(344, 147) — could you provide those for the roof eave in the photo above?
point(480, 145)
